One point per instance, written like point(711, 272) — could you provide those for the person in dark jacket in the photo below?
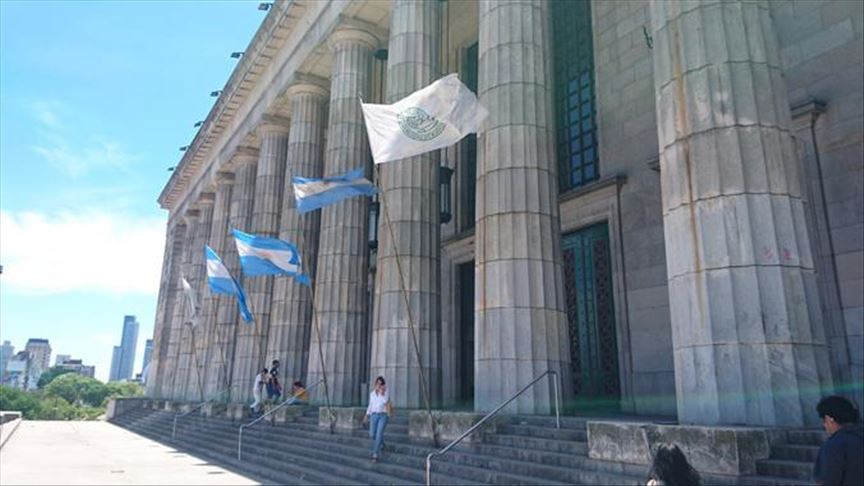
point(670, 468)
point(841, 457)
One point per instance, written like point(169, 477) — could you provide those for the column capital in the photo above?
point(223, 177)
point(205, 199)
point(272, 124)
point(243, 156)
point(190, 215)
point(307, 88)
point(349, 35)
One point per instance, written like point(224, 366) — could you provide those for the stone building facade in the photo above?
point(665, 206)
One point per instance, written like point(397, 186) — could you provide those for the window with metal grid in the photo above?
point(574, 93)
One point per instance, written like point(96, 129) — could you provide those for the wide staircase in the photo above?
point(524, 450)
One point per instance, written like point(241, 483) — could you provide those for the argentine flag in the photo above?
point(312, 194)
point(268, 256)
point(221, 282)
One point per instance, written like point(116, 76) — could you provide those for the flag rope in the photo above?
point(424, 384)
point(316, 320)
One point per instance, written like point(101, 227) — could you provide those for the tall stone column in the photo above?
point(343, 260)
point(521, 327)
point(409, 239)
point(252, 339)
point(165, 307)
point(181, 322)
point(291, 319)
point(746, 325)
point(215, 350)
point(245, 166)
point(199, 332)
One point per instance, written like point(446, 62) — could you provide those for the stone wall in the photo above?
point(822, 52)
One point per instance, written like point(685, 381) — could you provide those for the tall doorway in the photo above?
point(591, 318)
point(465, 364)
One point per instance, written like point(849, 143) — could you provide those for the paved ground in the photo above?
point(100, 453)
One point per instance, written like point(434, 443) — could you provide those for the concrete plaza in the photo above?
point(100, 453)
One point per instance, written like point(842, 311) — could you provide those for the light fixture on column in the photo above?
point(199, 123)
point(374, 215)
point(265, 5)
point(236, 55)
point(446, 173)
point(216, 93)
point(184, 148)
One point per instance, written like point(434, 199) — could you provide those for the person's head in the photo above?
point(671, 468)
point(264, 370)
point(298, 384)
point(835, 412)
point(275, 363)
point(380, 384)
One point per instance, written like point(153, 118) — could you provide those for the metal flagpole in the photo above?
point(317, 322)
point(424, 385)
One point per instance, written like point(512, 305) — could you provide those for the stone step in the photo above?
point(578, 423)
point(579, 470)
point(812, 437)
point(536, 443)
point(413, 456)
point(793, 452)
point(785, 469)
point(277, 440)
point(267, 472)
point(771, 481)
point(543, 432)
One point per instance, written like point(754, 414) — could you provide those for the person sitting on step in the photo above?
point(841, 457)
point(671, 468)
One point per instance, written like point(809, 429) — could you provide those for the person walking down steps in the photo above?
point(258, 391)
point(377, 415)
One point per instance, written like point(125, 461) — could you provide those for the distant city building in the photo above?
point(61, 358)
point(115, 364)
point(6, 353)
point(77, 366)
point(148, 352)
point(127, 348)
point(40, 360)
point(16, 371)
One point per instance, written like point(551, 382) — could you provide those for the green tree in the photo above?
point(19, 401)
point(48, 376)
point(78, 390)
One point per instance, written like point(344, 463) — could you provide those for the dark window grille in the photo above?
point(575, 107)
point(468, 147)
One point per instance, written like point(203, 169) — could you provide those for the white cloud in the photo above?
point(62, 147)
point(86, 250)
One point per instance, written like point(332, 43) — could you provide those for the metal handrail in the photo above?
point(197, 407)
point(555, 386)
point(286, 402)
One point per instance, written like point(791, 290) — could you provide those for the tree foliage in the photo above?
point(48, 376)
point(68, 396)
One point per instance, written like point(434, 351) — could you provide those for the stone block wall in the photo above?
point(822, 53)
point(627, 133)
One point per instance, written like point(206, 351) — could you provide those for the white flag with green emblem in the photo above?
point(434, 117)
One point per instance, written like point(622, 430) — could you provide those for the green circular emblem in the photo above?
point(416, 124)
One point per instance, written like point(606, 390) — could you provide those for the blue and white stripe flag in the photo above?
point(221, 282)
point(260, 255)
point(312, 193)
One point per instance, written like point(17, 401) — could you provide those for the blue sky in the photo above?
point(95, 99)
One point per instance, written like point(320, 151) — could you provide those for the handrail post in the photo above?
point(174, 427)
point(556, 378)
point(240, 443)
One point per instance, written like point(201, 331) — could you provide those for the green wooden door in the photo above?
point(591, 316)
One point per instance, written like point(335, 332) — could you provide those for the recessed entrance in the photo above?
point(591, 318)
point(465, 353)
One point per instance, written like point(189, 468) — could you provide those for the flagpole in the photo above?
point(316, 320)
point(423, 382)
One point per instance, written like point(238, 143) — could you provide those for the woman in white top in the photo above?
point(258, 390)
point(377, 415)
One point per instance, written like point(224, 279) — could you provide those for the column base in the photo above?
point(450, 426)
point(726, 451)
point(347, 418)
